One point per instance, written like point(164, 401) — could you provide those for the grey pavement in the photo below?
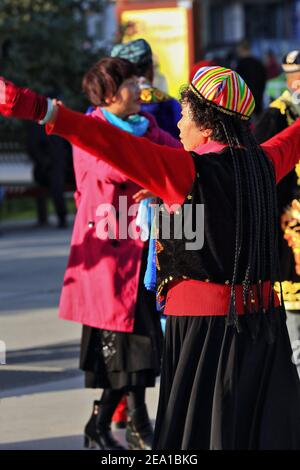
point(43, 402)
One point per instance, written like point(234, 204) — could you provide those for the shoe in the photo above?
point(90, 428)
point(139, 431)
point(97, 432)
point(103, 440)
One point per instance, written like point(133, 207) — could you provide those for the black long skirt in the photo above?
point(223, 390)
point(118, 360)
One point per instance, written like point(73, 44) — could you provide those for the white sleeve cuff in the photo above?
point(48, 113)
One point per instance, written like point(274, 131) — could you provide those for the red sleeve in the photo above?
point(167, 172)
point(284, 150)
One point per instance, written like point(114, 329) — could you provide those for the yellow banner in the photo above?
point(166, 30)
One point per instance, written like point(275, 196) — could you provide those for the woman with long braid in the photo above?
point(228, 380)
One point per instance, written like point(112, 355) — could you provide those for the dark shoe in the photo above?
point(103, 442)
point(97, 431)
point(139, 431)
point(106, 441)
point(90, 428)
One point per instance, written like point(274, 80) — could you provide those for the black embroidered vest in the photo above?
point(214, 188)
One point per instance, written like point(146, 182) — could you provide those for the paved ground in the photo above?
point(43, 404)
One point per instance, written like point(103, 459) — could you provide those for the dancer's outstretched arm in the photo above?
point(146, 160)
point(169, 173)
point(284, 150)
point(166, 172)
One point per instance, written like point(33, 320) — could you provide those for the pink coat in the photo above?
point(101, 280)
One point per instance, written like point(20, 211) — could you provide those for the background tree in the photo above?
point(45, 44)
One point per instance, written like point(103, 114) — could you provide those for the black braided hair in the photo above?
point(259, 194)
point(255, 191)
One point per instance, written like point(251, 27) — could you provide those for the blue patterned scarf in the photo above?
point(136, 124)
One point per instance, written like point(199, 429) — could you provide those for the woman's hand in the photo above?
point(142, 194)
point(21, 103)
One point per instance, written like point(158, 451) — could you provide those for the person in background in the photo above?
point(276, 82)
point(103, 284)
point(164, 108)
point(281, 114)
point(127, 340)
point(253, 71)
point(274, 88)
point(272, 67)
point(51, 157)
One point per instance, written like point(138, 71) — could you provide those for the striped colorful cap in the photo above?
point(225, 89)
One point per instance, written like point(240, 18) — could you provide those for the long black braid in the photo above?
point(232, 316)
point(255, 185)
point(255, 194)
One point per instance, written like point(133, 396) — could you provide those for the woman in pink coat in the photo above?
point(103, 284)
